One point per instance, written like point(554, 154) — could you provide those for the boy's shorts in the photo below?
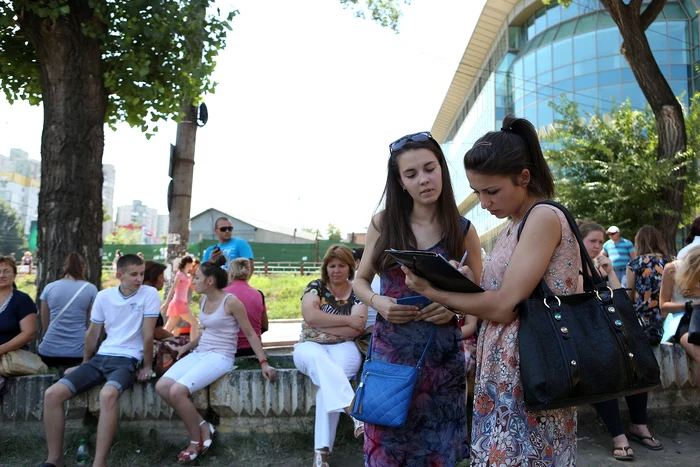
point(119, 372)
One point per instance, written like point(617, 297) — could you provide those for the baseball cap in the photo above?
point(612, 229)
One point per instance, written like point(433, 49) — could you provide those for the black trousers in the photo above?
point(609, 411)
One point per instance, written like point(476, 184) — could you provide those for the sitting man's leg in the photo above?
point(121, 374)
point(83, 378)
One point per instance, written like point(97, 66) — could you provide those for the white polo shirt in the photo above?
point(123, 319)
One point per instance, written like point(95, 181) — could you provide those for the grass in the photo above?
point(282, 292)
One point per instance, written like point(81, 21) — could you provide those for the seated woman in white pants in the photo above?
point(221, 315)
point(326, 353)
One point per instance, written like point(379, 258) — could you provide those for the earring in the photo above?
point(404, 189)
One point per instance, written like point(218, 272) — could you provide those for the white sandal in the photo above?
point(207, 444)
point(318, 460)
point(359, 427)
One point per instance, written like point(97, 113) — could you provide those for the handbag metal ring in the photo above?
point(558, 301)
point(611, 293)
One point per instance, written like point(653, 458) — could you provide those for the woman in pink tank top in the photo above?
point(222, 316)
point(254, 301)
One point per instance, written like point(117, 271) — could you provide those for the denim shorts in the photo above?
point(119, 372)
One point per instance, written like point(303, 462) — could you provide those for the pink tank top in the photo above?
point(220, 330)
point(182, 286)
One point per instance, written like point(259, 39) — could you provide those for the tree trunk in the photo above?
point(183, 168)
point(183, 164)
point(72, 141)
point(670, 122)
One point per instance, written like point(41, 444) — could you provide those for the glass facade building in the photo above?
point(543, 52)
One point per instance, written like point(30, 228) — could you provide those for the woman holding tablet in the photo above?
point(419, 214)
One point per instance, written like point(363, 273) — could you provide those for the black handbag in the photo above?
point(694, 326)
point(582, 348)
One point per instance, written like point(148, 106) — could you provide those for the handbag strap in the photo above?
point(70, 302)
point(591, 279)
point(422, 357)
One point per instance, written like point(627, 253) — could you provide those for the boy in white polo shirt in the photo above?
point(128, 314)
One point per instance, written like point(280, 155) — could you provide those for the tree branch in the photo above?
point(651, 12)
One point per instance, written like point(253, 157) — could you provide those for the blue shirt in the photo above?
point(234, 248)
point(619, 253)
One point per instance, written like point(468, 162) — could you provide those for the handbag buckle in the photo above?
point(558, 301)
point(611, 294)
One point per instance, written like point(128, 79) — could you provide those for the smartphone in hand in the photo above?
point(417, 300)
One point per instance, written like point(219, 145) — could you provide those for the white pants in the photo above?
point(199, 369)
point(329, 367)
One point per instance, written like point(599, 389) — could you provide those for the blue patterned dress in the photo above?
point(435, 430)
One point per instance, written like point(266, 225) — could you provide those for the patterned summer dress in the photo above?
point(504, 432)
point(435, 430)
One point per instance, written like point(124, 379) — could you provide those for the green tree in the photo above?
point(607, 168)
point(384, 12)
point(633, 18)
point(333, 233)
point(124, 235)
point(12, 239)
point(92, 62)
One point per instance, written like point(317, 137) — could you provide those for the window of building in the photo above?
point(561, 53)
point(584, 81)
point(529, 66)
point(608, 42)
point(609, 77)
point(657, 35)
point(566, 30)
point(544, 58)
point(584, 46)
point(586, 24)
point(588, 66)
point(540, 20)
point(562, 73)
point(613, 61)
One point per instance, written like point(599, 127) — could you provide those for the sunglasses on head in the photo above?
point(415, 137)
point(226, 229)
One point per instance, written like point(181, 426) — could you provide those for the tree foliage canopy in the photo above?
point(386, 13)
point(147, 67)
point(12, 238)
point(607, 168)
point(334, 233)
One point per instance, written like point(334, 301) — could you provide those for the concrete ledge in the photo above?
point(244, 401)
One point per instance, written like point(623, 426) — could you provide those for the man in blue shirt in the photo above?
point(620, 251)
point(228, 246)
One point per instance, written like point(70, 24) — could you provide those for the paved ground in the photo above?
point(282, 332)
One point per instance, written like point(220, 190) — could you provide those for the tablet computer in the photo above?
point(436, 269)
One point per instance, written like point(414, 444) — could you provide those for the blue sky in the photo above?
point(309, 98)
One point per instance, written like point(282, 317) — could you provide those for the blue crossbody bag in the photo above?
point(386, 389)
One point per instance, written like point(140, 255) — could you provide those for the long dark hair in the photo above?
point(395, 226)
point(74, 265)
point(694, 231)
point(508, 151)
point(649, 241)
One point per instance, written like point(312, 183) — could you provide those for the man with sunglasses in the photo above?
point(228, 246)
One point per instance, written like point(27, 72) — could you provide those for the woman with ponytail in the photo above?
point(507, 171)
point(222, 315)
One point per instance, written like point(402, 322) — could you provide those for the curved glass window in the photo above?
point(581, 59)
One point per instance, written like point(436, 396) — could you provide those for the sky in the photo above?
point(309, 98)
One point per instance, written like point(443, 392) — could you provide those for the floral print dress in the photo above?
point(435, 431)
point(648, 270)
point(504, 431)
